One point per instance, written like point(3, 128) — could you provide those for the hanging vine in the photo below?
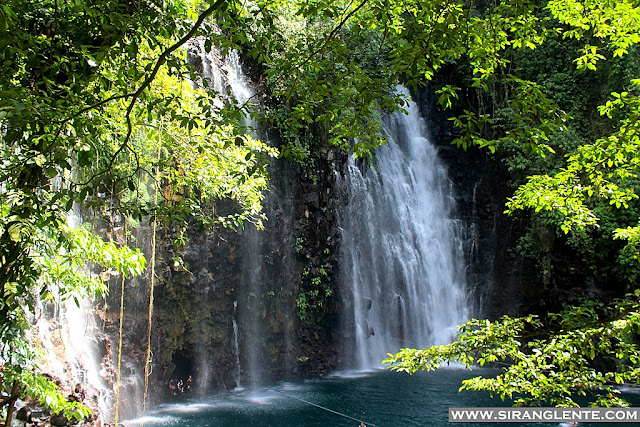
point(117, 407)
point(147, 365)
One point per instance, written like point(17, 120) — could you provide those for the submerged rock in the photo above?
point(59, 420)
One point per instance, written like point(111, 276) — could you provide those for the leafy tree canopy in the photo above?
point(585, 349)
point(544, 361)
point(96, 107)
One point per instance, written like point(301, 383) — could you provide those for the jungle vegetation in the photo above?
point(98, 106)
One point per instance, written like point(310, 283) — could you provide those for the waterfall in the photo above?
point(262, 321)
point(473, 254)
point(68, 335)
point(252, 256)
point(236, 350)
point(266, 319)
point(401, 251)
point(72, 344)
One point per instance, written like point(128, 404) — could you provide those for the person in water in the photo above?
point(172, 387)
point(180, 386)
point(77, 395)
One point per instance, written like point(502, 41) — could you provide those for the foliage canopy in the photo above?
point(97, 106)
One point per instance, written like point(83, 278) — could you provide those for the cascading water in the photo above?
point(252, 265)
point(67, 333)
point(401, 253)
point(266, 320)
point(236, 350)
point(69, 336)
point(262, 319)
point(474, 258)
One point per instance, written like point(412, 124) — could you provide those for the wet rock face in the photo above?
point(320, 342)
point(250, 277)
point(497, 275)
point(193, 305)
point(500, 279)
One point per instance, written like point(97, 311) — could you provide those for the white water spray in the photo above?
point(236, 349)
point(400, 252)
point(69, 336)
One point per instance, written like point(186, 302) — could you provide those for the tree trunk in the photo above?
point(12, 401)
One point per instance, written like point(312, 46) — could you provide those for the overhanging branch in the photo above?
point(162, 59)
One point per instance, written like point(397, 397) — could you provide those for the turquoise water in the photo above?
point(377, 398)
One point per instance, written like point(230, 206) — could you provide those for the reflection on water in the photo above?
point(378, 398)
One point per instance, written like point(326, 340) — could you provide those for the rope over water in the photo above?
point(368, 424)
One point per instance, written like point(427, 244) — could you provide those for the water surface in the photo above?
point(377, 398)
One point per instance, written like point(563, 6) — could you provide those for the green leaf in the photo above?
point(15, 231)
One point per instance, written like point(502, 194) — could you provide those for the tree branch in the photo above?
point(331, 35)
point(145, 84)
point(159, 63)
